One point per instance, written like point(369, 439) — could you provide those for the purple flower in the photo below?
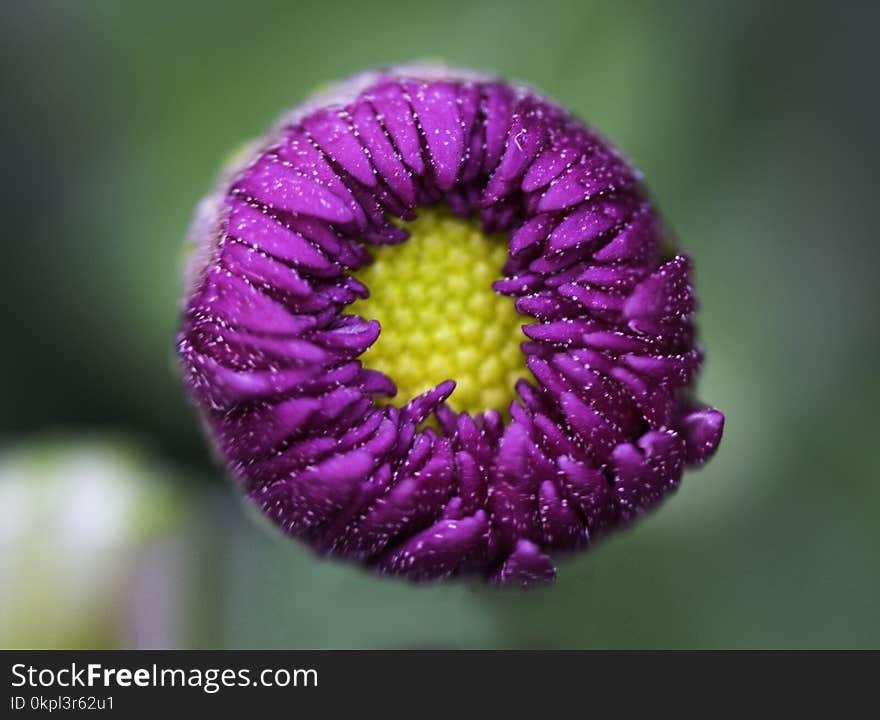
point(598, 435)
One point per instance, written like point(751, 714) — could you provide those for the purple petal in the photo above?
point(436, 107)
point(526, 566)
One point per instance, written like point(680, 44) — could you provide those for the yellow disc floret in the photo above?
point(440, 318)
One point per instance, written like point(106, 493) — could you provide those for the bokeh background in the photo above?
point(755, 125)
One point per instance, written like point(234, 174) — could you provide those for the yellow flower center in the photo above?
point(439, 315)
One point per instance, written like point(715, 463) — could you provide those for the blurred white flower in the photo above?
point(82, 522)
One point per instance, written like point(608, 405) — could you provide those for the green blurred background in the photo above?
point(755, 125)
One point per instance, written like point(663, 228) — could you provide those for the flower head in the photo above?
point(380, 206)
